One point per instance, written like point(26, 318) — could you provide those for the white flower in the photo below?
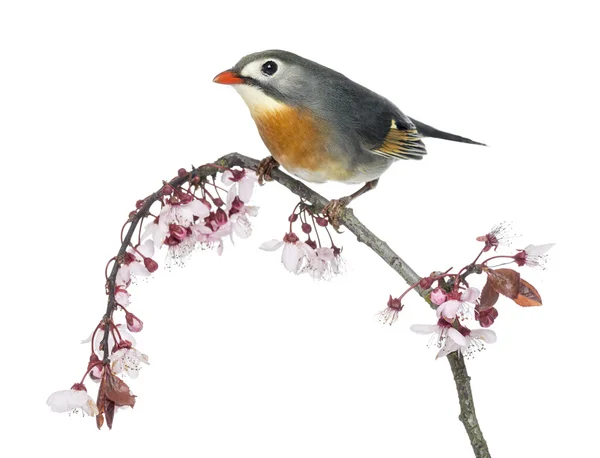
point(242, 181)
point(128, 360)
point(534, 255)
point(442, 332)
point(72, 400)
point(475, 340)
point(452, 307)
point(295, 253)
point(210, 238)
point(179, 214)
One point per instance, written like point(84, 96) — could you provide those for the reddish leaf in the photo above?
point(528, 295)
point(505, 281)
point(489, 296)
point(110, 413)
point(99, 420)
point(117, 391)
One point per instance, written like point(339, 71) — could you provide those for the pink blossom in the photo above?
point(129, 360)
point(438, 296)
point(210, 238)
point(320, 266)
point(474, 342)
point(533, 255)
point(242, 181)
point(449, 309)
point(501, 234)
point(295, 253)
point(72, 400)
point(442, 331)
point(390, 314)
point(134, 324)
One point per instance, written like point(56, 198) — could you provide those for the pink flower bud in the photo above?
point(486, 317)
point(220, 217)
point(167, 190)
point(218, 202)
point(322, 221)
point(306, 228)
point(78, 387)
point(96, 373)
point(293, 218)
point(134, 324)
point(438, 296)
point(196, 180)
point(139, 204)
point(150, 264)
point(186, 199)
point(290, 238)
point(132, 213)
point(425, 282)
point(182, 172)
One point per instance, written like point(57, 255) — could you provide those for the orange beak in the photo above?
point(228, 77)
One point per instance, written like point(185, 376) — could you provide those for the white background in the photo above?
point(100, 101)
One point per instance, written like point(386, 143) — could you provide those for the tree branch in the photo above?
point(363, 234)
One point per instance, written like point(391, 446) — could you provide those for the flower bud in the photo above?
point(134, 324)
point(178, 232)
point(167, 190)
point(306, 228)
point(182, 172)
point(322, 221)
point(293, 218)
point(186, 199)
point(150, 264)
point(220, 217)
point(218, 202)
point(78, 387)
point(139, 204)
point(438, 296)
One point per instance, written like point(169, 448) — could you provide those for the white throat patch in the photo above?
point(257, 100)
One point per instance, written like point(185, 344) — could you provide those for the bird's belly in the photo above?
point(300, 143)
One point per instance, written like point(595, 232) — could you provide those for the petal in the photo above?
point(457, 337)
point(137, 268)
point(470, 295)
point(449, 309)
point(448, 348)
point(251, 210)
point(271, 245)
point(241, 226)
point(291, 257)
point(326, 254)
point(537, 250)
point(231, 195)
point(487, 335)
point(123, 276)
point(424, 328)
point(146, 249)
point(246, 186)
point(227, 178)
point(198, 209)
point(149, 230)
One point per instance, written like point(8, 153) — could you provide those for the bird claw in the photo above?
point(334, 210)
point(264, 169)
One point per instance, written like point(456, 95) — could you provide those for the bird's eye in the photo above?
point(269, 68)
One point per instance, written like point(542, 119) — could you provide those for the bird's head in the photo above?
point(269, 80)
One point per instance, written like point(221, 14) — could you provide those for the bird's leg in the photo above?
point(264, 169)
point(335, 206)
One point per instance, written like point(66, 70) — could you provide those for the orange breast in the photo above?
point(298, 142)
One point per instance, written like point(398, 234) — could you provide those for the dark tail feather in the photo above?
point(428, 131)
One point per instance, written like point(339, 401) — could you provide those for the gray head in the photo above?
point(267, 78)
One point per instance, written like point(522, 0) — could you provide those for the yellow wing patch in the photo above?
point(401, 144)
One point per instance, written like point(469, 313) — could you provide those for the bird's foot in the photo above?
point(264, 169)
point(334, 209)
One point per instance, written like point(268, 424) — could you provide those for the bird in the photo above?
point(322, 126)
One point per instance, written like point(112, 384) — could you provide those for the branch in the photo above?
point(362, 233)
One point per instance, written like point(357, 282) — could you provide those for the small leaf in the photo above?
point(489, 296)
point(528, 295)
point(110, 413)
point(505, 281)
point(118, 392)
